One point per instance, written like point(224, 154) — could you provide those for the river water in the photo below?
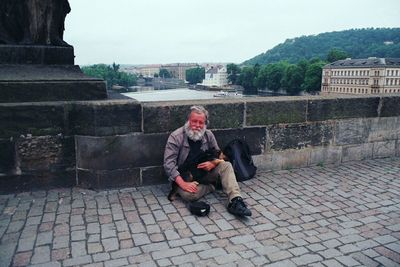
point(170, 94)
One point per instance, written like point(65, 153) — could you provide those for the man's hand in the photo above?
point(190, 187)
point(208, 166)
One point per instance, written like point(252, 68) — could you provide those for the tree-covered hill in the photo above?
point(357, 43)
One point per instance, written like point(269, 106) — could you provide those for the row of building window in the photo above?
point(350, 72)
point(392, 81)
point(362, 73)
point(350, 81)
point(357, 90)
point(392, 72)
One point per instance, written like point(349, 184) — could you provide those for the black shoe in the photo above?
point(237, 207)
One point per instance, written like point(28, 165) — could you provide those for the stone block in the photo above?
point(326, 155)
point(276, 111)
point(267, 162)
point(398, 148)
point(384, 128)
point(342, 108)
point(298, 136)
point(95, 179)
point(99, 118)
point(31, 118)
point(16, 91)
point(166, 117)
point(292, 158)
point(354, 131)
point(390, 106)
point(120, 152)
point(280, 160)
point(384, 149)
point(254, 136)
point(35, 180)
point(154, 175)
point(357, 152)
point(36, 54)
point(53, 153)
point(36, 83)
point(7, 157)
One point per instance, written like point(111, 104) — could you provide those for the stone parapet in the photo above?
point(101, 144)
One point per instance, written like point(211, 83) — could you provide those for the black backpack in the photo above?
point(238, 153)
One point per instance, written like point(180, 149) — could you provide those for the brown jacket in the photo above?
point(177, 150)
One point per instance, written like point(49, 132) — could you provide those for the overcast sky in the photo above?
point(171, 31)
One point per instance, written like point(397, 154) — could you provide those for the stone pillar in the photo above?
point(36, 64)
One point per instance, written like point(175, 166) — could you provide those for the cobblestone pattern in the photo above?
point(347, 215)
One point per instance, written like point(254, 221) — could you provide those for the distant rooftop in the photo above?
point(365, 62)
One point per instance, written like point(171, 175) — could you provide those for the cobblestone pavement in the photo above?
point(346, 215)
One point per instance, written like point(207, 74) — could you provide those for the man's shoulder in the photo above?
point(209, 133)
point(179, 131)
point(178, 134)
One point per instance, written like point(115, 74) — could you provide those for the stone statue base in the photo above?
point(36, 54)
point(44, 73)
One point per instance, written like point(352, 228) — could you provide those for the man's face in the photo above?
point(197, 121)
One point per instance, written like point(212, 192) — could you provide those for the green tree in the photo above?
point(336, 54)
point(195, 75)
point(164, 73)
point(274, 75)
point(233, 71)
point(313, 77)
point(110, 74)
point(247, 79)
point(292, 79)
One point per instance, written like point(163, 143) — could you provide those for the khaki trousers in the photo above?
point(223, 173)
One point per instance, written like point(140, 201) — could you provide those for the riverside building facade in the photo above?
point(362, 76)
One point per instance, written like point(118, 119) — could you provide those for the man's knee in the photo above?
point(189, 196)
point(225, 165)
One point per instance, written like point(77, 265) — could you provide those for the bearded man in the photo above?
point(185, 144)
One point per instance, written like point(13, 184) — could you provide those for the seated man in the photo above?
point(187, 143)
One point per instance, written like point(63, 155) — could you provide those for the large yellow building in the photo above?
point(362, 76)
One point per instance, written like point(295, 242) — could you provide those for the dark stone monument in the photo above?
point(36, 64)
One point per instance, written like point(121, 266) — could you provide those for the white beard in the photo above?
point(194, 135)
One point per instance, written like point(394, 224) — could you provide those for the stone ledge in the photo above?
point(36, 180)
point(36, 54)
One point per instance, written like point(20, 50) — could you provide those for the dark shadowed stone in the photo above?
point(163, 118)
point(46, 153)
point(101, 118)
point(38, 54)
point(390, 106)
point(227, 115)
point(342, 108)
point(120, 152)
point(255, 137)
point(109, 179)
point(31, 118)
point(297, 136)
point(166, 118)
point(52, 91)
point(7, 156)
point(355, 131)
point(154, 175)
point(270, 112)
point(35, 83)
point(37, 180)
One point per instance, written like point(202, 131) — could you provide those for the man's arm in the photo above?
point(171, 165)
point(171, 158)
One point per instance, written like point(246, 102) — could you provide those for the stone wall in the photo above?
point(102, 144)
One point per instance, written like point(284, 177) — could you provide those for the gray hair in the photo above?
point(199, 110)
